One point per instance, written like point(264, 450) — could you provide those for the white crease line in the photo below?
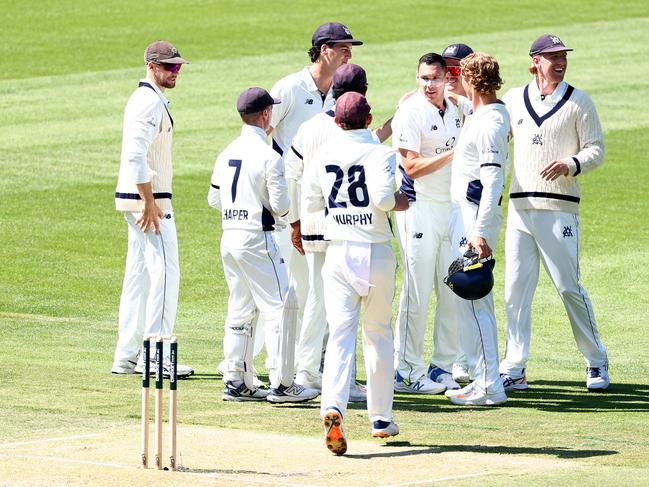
point(66, 460)
point(227, 477)
point(49, 440)
point(440, 479)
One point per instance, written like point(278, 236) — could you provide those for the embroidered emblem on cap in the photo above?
point(556, 40)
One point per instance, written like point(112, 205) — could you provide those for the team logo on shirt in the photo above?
point(537, 140)
point(463, 242)
point(491, 150)
point(418, 235)
point(457, 123)
point(309, 101)
point(567, 232)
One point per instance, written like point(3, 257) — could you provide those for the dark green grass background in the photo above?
point(68, 69)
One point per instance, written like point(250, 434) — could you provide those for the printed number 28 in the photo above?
point(356, 179)
point(237, 164)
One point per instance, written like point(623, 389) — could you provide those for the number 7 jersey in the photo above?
point(353, 184)
point(248, 184)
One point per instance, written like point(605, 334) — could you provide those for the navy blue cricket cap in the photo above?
point(352, 108)
point(547, 43)
point(457, 51)
point(254, 100)
point(331, 33)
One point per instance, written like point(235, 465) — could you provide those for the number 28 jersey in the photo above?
point(248, 183)
point(354, 186)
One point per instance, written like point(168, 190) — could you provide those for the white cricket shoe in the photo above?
point(334, 432)
point(293, 393)
point(460, 373)
point(440, 376)
point(423, 386)
point(309, 381)
point(237, 391)
point(515, 382)
point(474, 395)
point(384, 429)
point(597, 378)
point(123, 366)
point(357, 393)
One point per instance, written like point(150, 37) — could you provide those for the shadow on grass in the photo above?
point(554, 396)
point(558, 452)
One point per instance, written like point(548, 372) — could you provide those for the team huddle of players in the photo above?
point(307, 230)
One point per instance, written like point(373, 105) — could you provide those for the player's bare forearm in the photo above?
point(417, 166)
point(296, 236)
point(384, 131)
point(151, 214)
point(401, 202)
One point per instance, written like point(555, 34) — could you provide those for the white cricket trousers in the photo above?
point(150, 290)
point(478, 329)
point(343, 309)
point(308, 354)
point(258, 282)
point(426, 254)
point(553, 238)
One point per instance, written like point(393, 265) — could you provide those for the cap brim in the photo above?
point(551, 49)
point(174, 60)
point(276, 101)
point(353, 42)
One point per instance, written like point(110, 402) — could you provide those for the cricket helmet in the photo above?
point(470, 277)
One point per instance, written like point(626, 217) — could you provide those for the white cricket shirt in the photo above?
point(301, 100)
point(480, 163)
point(421, 127)
point(248, 184)
point(355, 178)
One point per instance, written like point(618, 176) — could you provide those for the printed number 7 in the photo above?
point(235, 163)
point(356, 179)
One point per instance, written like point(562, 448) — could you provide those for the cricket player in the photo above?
point(557, 139)
point(249, 189)
point(478, 178)
point(453, 54)
point(355, 185)
point(152, 276)
point(305, 94)
point(310, 240)
point(426, 128)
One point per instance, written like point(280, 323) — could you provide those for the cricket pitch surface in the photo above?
point(209, 456)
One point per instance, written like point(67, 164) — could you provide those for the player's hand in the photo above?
point(296, 236)
point(480, 245)
point(401, 202)
point(554, 170)
point(150, 217)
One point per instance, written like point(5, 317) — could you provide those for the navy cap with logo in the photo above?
point(331, 33)
point(254, 100)
point(163, 52)
point(352, 108)
point(457, 51)
point(350, 77)
point(547, 43)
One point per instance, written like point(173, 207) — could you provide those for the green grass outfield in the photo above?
point(68, 69)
